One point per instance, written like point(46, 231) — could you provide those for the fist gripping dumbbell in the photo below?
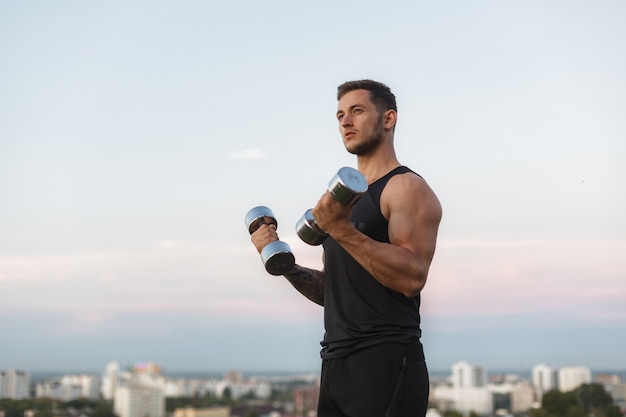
point(346, 187)
point(276, 256)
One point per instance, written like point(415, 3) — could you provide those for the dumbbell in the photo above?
point(346, 187)
point(276, 256)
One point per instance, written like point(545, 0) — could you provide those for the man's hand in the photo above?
point(330, 215)
point(263, 235)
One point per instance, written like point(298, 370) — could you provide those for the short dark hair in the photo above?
point(380, 94)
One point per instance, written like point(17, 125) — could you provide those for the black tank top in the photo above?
point(360, 312)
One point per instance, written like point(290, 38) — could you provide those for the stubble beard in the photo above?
point(371, 141)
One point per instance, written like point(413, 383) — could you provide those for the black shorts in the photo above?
point(387, 380)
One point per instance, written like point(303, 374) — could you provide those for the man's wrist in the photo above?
point(343, 232)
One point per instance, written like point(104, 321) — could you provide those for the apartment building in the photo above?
point(545, 378)
point(572, 377)
point(14, 385)
point(70, 387)
point(139, 401)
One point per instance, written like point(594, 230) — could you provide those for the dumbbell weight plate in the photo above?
point(259, 215)
point(347, 186)
point(277, 258)
point(308, 230)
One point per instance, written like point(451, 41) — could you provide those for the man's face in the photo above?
point(360, 124)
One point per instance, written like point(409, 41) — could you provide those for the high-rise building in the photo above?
point(545, 378)
point(14, 384)
point(469, 391)
point(139, 401)
point(572, 377)
point(467, 375)
point(110, 380)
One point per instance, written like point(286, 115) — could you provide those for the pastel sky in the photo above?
point(134, 137)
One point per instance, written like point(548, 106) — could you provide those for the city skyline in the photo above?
point(135, 136)
point(146, 390)
point(540, 371)
point(525, 373)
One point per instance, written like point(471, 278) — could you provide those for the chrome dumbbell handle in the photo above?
point(347, 186)
point(309, 231)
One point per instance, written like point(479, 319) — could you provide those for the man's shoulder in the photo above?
point(411, 188)
point(407, 181)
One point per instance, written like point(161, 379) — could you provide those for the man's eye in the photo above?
point(339, 117)
point(357, 111)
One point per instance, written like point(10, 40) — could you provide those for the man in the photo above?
point(376, 260)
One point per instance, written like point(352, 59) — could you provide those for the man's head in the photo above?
point(367, 115)
point(380, 94)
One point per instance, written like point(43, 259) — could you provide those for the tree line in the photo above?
point(588, 400)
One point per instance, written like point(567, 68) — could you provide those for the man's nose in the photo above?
point(346, 120)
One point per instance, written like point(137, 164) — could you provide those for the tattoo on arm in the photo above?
point(308, 282)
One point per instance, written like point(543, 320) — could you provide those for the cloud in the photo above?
point(248, 154)
point(82, 322)
point(167, 277)
point(189, 280)
point(579, 279)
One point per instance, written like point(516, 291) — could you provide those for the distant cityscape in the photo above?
point(141, 390)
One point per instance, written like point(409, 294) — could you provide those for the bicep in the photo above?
point(414, 214)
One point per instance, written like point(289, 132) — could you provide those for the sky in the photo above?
point(135, 136)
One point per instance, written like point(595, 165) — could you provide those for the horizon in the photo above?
point(178, 373)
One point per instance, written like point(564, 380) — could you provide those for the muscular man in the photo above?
point(376, 261)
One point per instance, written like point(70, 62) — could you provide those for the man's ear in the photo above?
point(389, 118)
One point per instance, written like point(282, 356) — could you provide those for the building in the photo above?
point(14, 385)
point(618, 392)
point(139, 401)
point(572, 377)
point(110, 380)
point(467, 375)
point(149, 375)
point(202, 412)
point(257, 389)
point(463, 399)
point(607, 379)
point(69, 387)
point(51, 389)
point(613, 384)
point(545, 378)
point(523, 397)
point(305, 399)
point(467, 393)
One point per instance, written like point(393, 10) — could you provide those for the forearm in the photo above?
point(393, 266)
point(308, 282)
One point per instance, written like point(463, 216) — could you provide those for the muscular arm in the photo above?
point(308, 282)
point(413, 212)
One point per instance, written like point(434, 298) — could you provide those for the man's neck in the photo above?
point(377, 164)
